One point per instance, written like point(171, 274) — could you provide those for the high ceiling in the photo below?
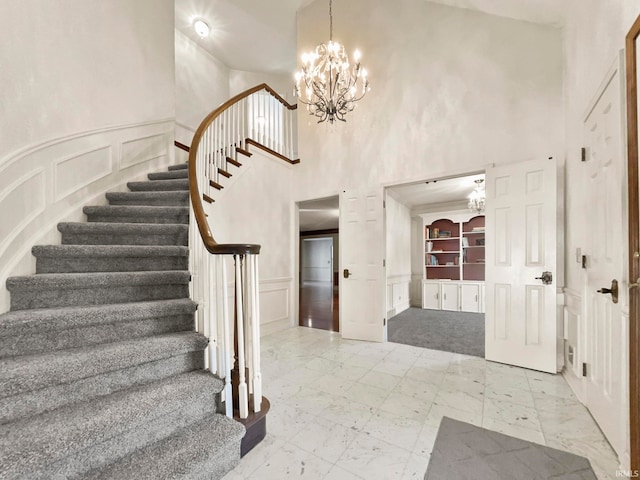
point(236, 24)
point(273, 22)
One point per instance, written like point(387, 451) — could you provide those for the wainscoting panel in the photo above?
point(49, 182)
point(574, 342)
point(24, 199)
point(398, 294)
point(141, 150)
point(78, 171)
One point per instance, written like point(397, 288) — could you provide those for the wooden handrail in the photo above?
point(209, 241)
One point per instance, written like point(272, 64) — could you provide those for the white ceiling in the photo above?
point(322, 214)
point(236, 24)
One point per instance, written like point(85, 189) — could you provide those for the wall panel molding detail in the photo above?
point(26, 200)
point(79, 170)
point(141, 150)
point(64, 175)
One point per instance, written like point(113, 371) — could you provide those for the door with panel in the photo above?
point(362, 283)
point(606, 279)
point(521, 272)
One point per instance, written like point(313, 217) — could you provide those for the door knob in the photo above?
point(546, 277)
point(346, 273)
point(613, 290)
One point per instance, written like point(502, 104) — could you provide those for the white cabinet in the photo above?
point(450, 296)
point(431, 295)
point(453, 296)
point(470, 297)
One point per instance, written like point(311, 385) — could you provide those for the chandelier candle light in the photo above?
point(477, 197)
point(330, 82)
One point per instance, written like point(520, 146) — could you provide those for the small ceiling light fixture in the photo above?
point(201, 28)
point(331, 84)
point(477, 198)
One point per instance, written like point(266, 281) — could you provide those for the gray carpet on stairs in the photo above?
point(101, 371)
point(457, 332)
point(466, 452)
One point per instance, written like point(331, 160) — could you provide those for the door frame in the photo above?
point(634, 243)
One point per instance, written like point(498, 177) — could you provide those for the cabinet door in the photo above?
point(470, 297)
point(431, 295)
point(450, 296)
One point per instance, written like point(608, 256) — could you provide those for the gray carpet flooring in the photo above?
point(458, 332)
point(466, 452)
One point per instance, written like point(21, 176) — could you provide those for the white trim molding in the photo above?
point(50, 181)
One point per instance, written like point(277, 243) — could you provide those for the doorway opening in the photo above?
point(435, 265)
point(318, 265)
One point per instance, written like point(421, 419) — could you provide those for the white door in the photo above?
point(605, 327)
point(450, 296)
point(521, 322)
point(362, 278)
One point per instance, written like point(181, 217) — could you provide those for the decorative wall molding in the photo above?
point(65, 174)
point(78, 170)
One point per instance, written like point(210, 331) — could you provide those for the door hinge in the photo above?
point(584, 369)
point(384, 204)
point(584, 261)
point(384, 263)
point(583, 154)
point(384, 322)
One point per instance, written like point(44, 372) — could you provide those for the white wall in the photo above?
point(87, 104)
point(78, 65)
point(398, 255)
point(249, 211)
point(202, 84)
point(240, 80)
point(452, 90)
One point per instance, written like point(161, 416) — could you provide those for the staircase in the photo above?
point(101, 371)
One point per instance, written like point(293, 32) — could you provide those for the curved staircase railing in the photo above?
point(256, 118)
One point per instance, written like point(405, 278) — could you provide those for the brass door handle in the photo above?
point(346, 273)
point(613, 290)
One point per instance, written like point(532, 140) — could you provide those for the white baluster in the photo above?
point(242, 385)
point(255, 334)
point(228, 398)
point(248, 329)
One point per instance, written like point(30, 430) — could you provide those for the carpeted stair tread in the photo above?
point(109, 258)
point(32, 372)
point(137, 214)
point(169, 175)
point(65, 289)
point(98, 233)
point(180, 166)
point(77, 438)
point(170, 198)
point(26, 332)
point(159, 185)
point(109, 251)
point(47, 319)
point(205, 450)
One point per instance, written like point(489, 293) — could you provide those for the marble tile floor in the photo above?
point(348, 410)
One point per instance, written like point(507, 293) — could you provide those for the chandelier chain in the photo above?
point(330, 20)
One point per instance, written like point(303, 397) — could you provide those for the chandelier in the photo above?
point(331, 84)
point(477, 198)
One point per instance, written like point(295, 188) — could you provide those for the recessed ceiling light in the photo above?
point(201, 28)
